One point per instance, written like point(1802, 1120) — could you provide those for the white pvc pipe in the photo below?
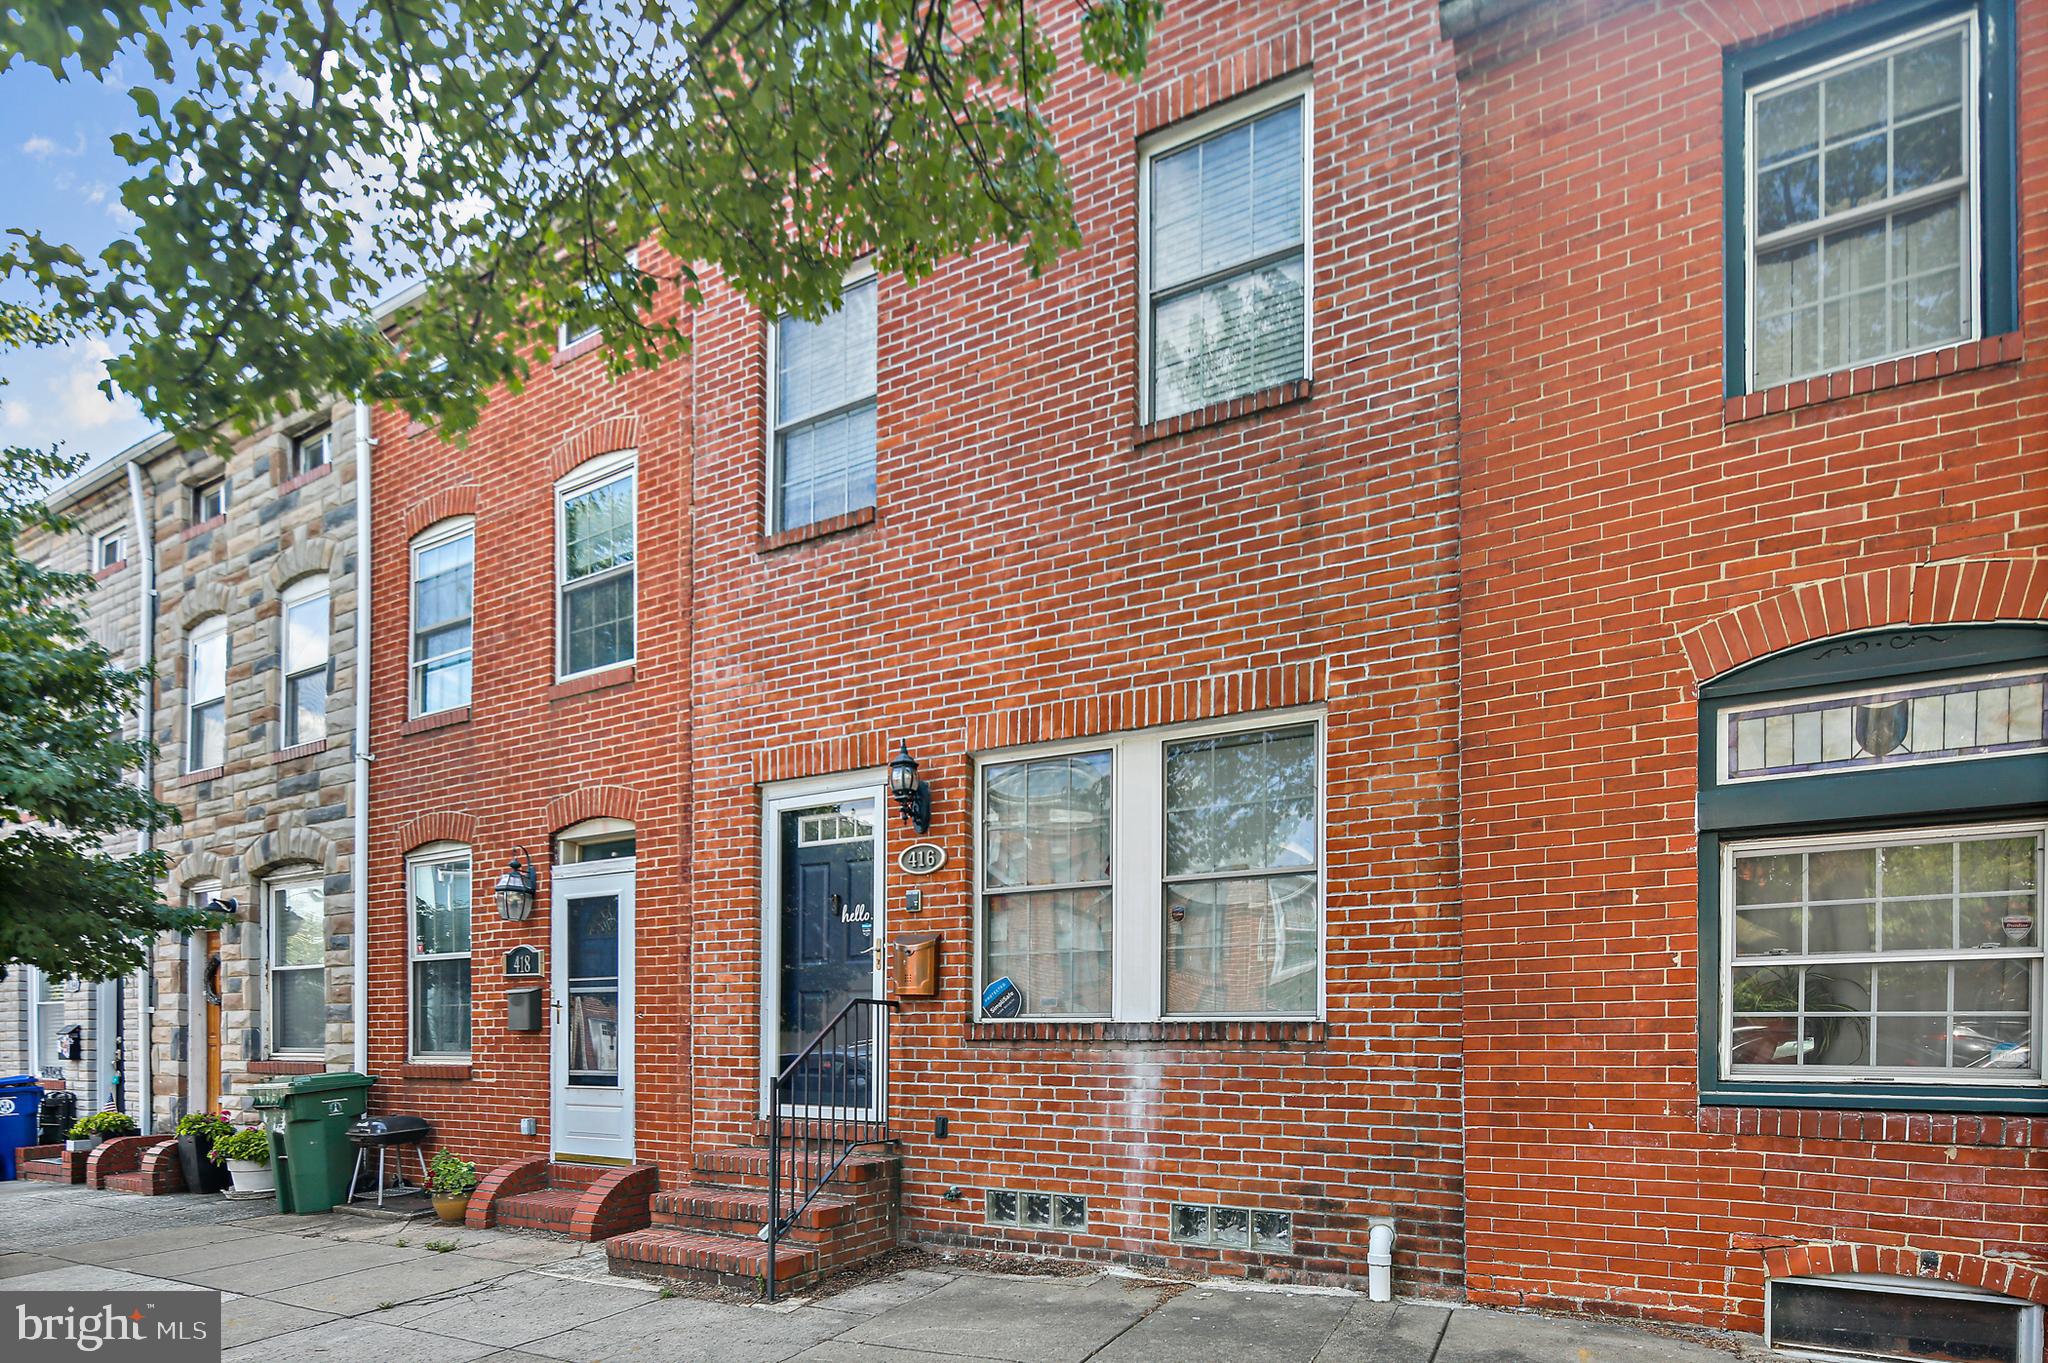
point(1379, 1258)
point(359, 858)
point(145, 776)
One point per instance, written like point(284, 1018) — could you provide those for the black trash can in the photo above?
point(55, 1116)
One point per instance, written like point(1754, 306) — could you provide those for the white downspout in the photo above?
point(359, 858)
point(1379, 1259)
point(145, 776)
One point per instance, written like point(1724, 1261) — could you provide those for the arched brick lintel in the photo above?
point(1959, 591)
point(591, 802)
point(439, 506)
point(1818, 1258)
point(604, 437)
point(442, 825)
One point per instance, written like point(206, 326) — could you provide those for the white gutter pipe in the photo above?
point(145, 776)
point(359, 858)
point(1379, 1259)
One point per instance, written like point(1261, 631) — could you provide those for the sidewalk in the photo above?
point(369, 1291)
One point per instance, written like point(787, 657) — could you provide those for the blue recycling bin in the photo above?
point(20, 1096)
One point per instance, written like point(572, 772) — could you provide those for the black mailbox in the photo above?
point(522, 1009)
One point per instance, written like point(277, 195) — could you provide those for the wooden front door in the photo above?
point(209, 990)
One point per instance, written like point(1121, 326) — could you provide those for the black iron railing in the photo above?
point(827, 1102)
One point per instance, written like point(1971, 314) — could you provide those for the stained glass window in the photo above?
point(1981, 716)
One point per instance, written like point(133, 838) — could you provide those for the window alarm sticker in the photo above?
point(1002, 999)
point(2018, 927)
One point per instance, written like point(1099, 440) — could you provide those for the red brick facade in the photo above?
point(1629, 535)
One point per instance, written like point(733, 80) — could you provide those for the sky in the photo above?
point(60, 176)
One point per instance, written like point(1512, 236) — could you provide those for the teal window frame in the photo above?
point(1994, 197)
point(1934, 795)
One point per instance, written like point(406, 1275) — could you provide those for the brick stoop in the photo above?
point(710, 1229)
point(120, 1155)
point(49, 1164)
point(158, 1173)
point(581, 1201)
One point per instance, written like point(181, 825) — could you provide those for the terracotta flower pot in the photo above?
point(451, 1209)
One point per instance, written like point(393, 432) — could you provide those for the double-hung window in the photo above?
point(821, 407)
point(46, 1025)
point(594, 529)
point(1873, 824)
point(443, 559)
point(1224, 254)
point(209, 500)
point(296, 968)
point(206, 695)
point(1160, 874)
point(313, 450)
point(1871, 191)
point(305, 661)
point(438, 949)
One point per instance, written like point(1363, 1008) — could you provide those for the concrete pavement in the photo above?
point(369, 1291)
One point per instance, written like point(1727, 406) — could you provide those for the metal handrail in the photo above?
point(826, 1128)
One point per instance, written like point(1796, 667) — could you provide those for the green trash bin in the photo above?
point(311, 1152)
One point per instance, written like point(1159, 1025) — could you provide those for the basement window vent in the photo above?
point(1232, 1227)
point(1877, 1316)
point(1035, 1211)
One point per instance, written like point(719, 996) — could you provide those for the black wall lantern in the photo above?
point(516, 889)
point(913, 797)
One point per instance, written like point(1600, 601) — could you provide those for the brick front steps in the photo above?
point(146, 1164)
point(49, 1164)
point(581, 1201)
point(709, 1230)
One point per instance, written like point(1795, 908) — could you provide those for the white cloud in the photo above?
point(43, 148)
point(80, 405)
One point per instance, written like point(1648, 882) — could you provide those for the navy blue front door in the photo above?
point(828, 950)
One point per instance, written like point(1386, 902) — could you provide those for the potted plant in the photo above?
point(87, 1132)
point(246, 1152)
point(197, 1132)
point(450, 1180)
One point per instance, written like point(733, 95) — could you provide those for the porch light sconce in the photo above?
point(913, 797)
point(516, 889)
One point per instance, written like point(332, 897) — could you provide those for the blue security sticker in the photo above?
point(1002, 999)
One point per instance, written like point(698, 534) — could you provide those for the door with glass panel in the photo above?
point(593, 1011)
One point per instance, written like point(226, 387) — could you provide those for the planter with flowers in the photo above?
point(197, 1131)
point(87, 1132)
point(246, 1152)
point(450, 1181)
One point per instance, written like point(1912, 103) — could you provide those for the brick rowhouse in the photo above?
point(530, 756)
point(1041, 566)
point(1634, 528)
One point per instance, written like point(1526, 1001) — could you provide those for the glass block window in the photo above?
point(297, 968)
point(438, 879)
point(206, 695)
point(1222, 1227)
point(305, 648)
point(1045, 878)
point(1862, 221)
point(1980, 716)
point(822, 400)
point(1902, 954)
point(443, 567)
point(595, 511)
point(1225, 262)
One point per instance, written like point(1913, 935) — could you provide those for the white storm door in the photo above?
point(592, 1045)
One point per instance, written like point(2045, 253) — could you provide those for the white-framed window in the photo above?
point(821, 411)
point(595, 551)
point(305, 648)
point(1863, 238)
point(443, 563)
point(1166, 873)
point(107, 550)
point(1911, 954)
point(1224, 260)
point(437, 949)
point(46, 1023)
point(209, 500)
point(206, 694)
point(596, 840)
point(312, 450)
point(598, 303)
point(295, 965)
